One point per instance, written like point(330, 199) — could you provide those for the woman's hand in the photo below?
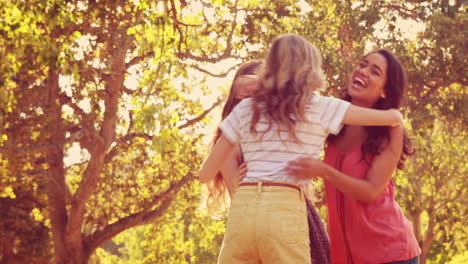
point(241, 173)
point(233, 180)
point(306, 168)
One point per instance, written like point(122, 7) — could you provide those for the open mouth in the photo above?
point(359, 82)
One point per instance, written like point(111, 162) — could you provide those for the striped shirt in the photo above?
point(267, 154)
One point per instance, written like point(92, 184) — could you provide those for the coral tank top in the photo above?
point(365, 233)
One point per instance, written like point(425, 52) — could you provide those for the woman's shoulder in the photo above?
point(396, 131)
point(332, 146)
point(396, 137)
point(246, 101)
point(327, 102)
point(244, 104)
point(324, 98)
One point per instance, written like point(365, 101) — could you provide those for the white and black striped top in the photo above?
point(267, 155)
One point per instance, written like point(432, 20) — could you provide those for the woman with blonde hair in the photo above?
point(267, 221)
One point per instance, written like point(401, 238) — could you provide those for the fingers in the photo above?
point(298, 162)
point(242, 170)
point(295, 170)
point(304, 160)
point(300, 168)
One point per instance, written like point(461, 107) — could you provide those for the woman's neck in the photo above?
point(352, 137)
point(362, 103)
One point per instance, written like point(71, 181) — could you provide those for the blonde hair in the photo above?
point(291, 73)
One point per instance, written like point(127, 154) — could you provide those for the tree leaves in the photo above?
point(119, 77)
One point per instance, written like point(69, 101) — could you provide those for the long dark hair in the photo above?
point(217, 187)
point(394, 90)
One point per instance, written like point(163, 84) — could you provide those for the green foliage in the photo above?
point(433, 190)
point(185, 235)
point(459, 258)
point(171, 49)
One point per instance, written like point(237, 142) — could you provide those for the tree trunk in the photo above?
point(68, 246)
point(428, 239)
point(56, 175)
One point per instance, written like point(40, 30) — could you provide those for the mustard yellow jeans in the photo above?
point(266, 224)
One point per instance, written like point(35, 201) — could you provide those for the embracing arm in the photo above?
point(231, 171)
point(215, 159)
point(378, 175)
point(364, 190)
point(362, 116)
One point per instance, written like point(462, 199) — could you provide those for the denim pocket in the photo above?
point(234, 221)
point(288, 222)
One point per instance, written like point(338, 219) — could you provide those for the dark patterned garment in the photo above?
point(319, 241)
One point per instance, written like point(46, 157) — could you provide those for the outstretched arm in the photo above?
point(362, 116)
point(365, 190)
point(215, 159)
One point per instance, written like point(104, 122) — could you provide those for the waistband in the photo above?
point(281, 184)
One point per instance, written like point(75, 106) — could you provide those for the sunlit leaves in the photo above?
point(7, 192)
point(171, 49)
point(433, 187)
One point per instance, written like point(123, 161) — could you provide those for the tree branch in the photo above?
point(24, 151)
point(106, 134)
point(226, 53)
point(403, 11)
point(188, 55)
point(127, 90)
point(191, 122)
point(219, 75)
point(231, 34)
point(173, 13)
point(138, 59)
point(144, 217)
point(114, 151)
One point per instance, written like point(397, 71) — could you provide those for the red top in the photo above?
point(376, 232)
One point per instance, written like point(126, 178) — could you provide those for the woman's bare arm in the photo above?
point(362, 116)
point(215, 159)
point(365, 190)
point(229, 170)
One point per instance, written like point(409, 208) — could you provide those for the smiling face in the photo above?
point(368, 79)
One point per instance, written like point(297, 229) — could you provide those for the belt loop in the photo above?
point(259, 188)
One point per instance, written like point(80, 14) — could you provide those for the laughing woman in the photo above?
point(366, 225)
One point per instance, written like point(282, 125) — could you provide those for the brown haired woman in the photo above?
point(227, 177)
point(366, 225)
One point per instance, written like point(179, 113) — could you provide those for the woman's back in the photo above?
point(267, 151)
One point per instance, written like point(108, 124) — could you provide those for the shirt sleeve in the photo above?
point(332, 112)
point(231, 125)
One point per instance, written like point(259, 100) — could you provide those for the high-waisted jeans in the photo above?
point(266, 224)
